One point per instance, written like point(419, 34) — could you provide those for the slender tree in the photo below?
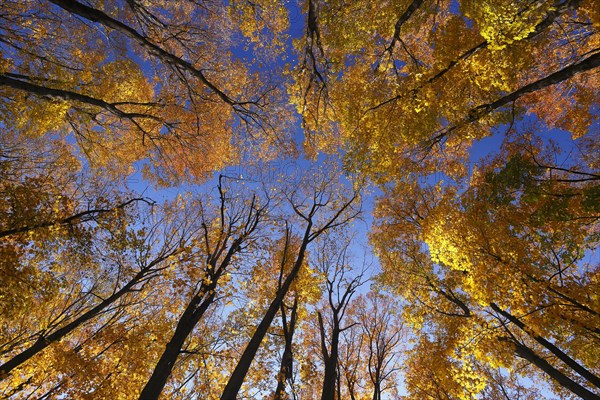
point(321, 209)
point(384, 334)
point(233, 230)
point(340, 286)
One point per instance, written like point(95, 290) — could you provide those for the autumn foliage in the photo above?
point(436, 238)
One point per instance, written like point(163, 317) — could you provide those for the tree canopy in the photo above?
point(414, 212)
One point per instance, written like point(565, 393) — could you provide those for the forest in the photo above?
point(300, 199)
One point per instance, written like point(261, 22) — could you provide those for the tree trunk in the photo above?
point(377, 387)
point(330, 376)
point(330, 357)
point(555, 374)
point(239, 374)
point(574, 365)
point(190, 317)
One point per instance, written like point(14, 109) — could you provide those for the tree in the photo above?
point(320, 207)
point(505, 270)
point(383, 336)
point(401, 59)
point(274, 366)
point(352, 375)
point(51, 220)
point(303, 292)
point(286, 369)
point(63, 324)
point(136, 80)
point(82, 286)
point(475, 121)
point(333, 262)
point(232, 229)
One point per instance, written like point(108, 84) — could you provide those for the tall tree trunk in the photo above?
point(330, 358)
point(239, 373)
point(555, 374)
point(330, 375)
point(287, 360)
point(202, 300)
point(190, 317)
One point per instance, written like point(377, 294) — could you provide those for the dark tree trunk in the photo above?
point(377, 387)
point(330, 376)
point(330, 357)
point(205, 296)
point(287, 360)
point(555, 374)
point(239, 374)
point(190, 317)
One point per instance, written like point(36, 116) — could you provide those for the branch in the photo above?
point(38, 90)
point(545, 23)
point(482, 110)
point(81, 216)
point(100, 17)
point(403, 18)
point(574, 365)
